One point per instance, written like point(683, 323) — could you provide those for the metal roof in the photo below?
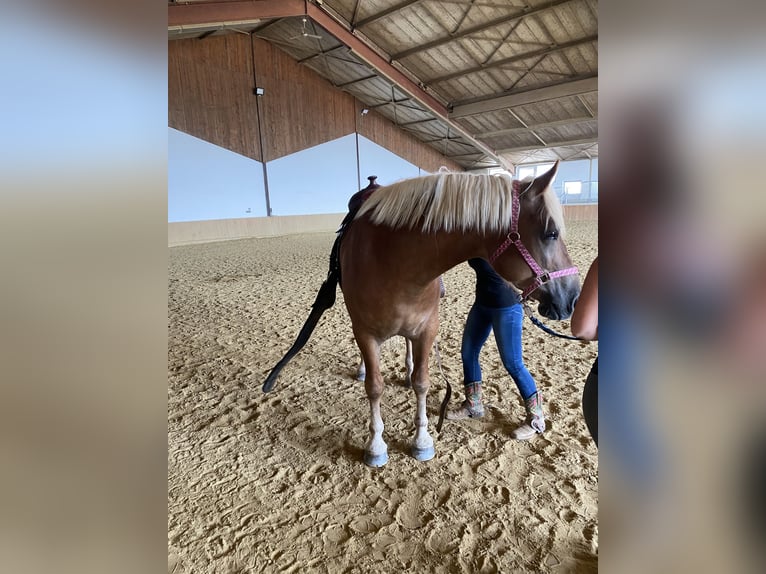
point(485, 82)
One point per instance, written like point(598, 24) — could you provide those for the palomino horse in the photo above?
point(361, 371)
point(409, 366)
point(407, 234)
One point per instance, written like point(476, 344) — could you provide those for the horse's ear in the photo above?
point(543, 181)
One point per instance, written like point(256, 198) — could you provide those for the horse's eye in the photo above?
point(551, 235)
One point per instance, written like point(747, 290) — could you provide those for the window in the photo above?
point(542, 168)
point(573, 187)
point(525, 172)
point(533, 170)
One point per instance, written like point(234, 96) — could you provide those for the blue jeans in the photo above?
point(506, 323)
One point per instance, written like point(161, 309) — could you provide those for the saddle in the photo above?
point(354, 204)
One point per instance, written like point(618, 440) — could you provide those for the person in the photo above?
point(584, 324)
point(497, 308)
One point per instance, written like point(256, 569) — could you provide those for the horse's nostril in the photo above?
point(572, 305)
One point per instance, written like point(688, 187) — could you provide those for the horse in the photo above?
point(361, 371)
point(409, 366)
point(405, 236)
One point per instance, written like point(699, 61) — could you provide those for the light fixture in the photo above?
point(258, 91)
point(365, 111)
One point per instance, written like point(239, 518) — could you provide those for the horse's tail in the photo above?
point(326, 296)
point(324, 300)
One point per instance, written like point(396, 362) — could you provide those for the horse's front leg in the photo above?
point(408, 364)
point(423, 445)
point(376, 450)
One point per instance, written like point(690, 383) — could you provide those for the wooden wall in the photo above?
point(188, 232)
point(585, 212)
point(384, 132)
point(210, 94)
point(301, 109)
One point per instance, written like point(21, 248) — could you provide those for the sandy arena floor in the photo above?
point(275, 482)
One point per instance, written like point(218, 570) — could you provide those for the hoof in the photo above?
point(422, 454)
point(375, 460)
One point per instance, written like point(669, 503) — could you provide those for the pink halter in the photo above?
point(514, 239)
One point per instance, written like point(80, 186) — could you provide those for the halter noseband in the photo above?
point(541, 276)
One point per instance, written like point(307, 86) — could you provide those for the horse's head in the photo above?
point(540, 232)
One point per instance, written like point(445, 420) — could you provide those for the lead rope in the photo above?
point(448, 395)
point(529, 313)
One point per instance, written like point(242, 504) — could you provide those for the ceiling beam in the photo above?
point(416, 122)
point(469, 155)
point(586, 106)
point(516, 58)
point(357, 81)
point(573, 88)
point(384, 13)
point(541, 126)
point(480, 28)
point(524, 124)
point(373, 59)
point(391, 73)
point(399, 102)
point(318, 54)
point(549, 145)
point(449, 140)
point(217, 12)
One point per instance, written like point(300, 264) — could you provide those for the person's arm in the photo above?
point(585, 316)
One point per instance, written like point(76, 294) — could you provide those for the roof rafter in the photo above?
point(544, 125)
point(416, 122)
point(449, 140)
point(384, 13)
point(480, 28)
point(320, 54)
point(357, 81)
point(510, 100)
point(586, 106)
point(216, 12)
point(515, 58)
point(223, 11)
point(565, 143)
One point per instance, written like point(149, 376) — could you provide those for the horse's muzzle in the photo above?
point(557, 302)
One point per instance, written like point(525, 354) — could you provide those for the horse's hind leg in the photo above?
point(361, 371)
point(423, 445)
point(408, 361)
point(376, 450)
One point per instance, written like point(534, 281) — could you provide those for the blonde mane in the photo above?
point(454, 202)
